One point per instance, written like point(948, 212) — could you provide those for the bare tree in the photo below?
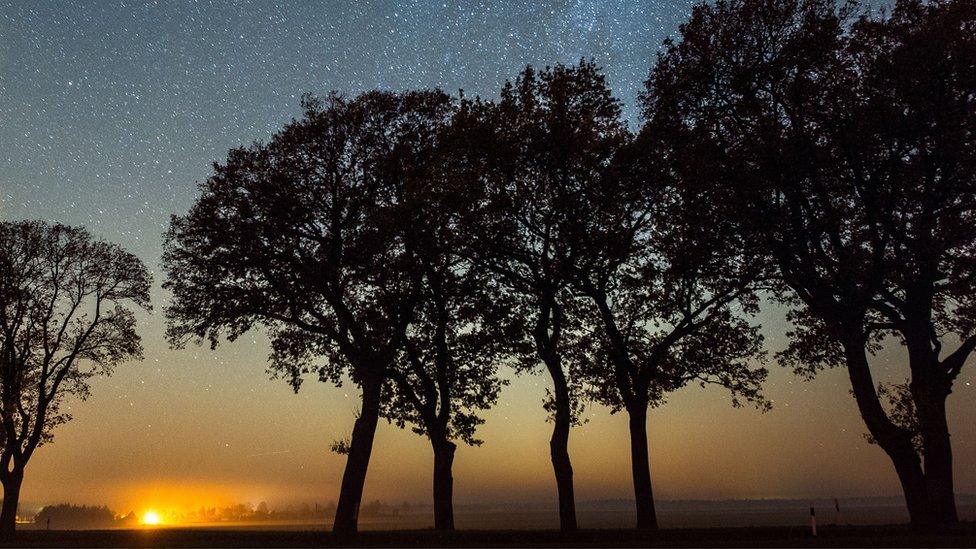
point(843, 143)
point(305, 236)
point(65, 317)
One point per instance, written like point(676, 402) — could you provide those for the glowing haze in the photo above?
point(112, 111)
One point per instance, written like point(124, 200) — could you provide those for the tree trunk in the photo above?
point(908, 468)
point(443, 484)
point(893, 440)
point(360, 448)
point(929, 398)
point(563, 469)
point(546, 335)
point(11, 497)
point(559, 452)
point(641, 466)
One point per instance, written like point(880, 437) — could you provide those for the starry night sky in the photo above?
point(111, 112)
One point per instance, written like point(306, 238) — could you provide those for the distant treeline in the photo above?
point(243, 512)
point(67, 516)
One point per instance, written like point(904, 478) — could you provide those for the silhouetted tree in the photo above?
point(668, 291)
point(844, 147)
point(305, 235)
point(524, 161)
point(446, 370)
point(65, 317)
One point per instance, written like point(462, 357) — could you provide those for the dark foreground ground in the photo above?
point(830, 536)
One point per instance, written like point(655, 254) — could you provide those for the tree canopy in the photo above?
point(842, 140)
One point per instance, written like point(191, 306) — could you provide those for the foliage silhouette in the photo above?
point(445, 371)
point(841, 142)
point(335, 238)
point(821, 152)
point(521, 162)
point(667, 297)
point(308, 236)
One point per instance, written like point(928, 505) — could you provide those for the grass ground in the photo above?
point(830, 536)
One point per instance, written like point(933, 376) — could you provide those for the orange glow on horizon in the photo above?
point(151, 518)
point(169, 498)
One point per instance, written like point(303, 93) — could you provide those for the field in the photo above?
point(739, 523)
point(830, 536)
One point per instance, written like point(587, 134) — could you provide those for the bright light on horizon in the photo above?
point(151, 518)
